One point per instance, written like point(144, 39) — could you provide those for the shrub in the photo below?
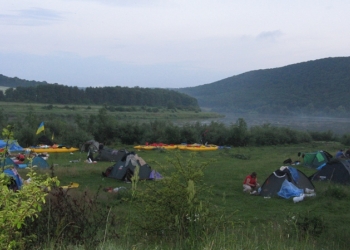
point(345, 139)
point(176, 206)
point(70, 217)
point(19, 207)
point(336, 191)
point(302, 226)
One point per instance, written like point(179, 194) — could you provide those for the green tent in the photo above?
point(316, 159)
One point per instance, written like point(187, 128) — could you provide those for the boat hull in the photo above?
point(53, 150)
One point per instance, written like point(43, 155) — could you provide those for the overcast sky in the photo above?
point(161, 43)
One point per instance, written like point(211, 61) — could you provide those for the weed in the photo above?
point(336, 191)
point(71, 217)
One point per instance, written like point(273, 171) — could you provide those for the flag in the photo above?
point(41, 128)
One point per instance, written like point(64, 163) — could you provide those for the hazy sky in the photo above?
point(161, 43)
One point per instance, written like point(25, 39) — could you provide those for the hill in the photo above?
point(14, 82)
point(319, 87)
point(115, 96)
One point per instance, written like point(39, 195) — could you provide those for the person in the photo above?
point(250, 183)
point(340, 154)
point(347, 153)
point(20, 157)
point(90, 157)
point(114, 190)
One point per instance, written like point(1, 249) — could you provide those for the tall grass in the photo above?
point(236, 221)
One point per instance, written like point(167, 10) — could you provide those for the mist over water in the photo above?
point(338, 126)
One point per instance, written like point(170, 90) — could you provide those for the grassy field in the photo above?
point(122, 112)
point(256, 221)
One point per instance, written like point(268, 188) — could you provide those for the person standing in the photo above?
point(250, 183)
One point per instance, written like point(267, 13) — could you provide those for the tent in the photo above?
point(124, 169)
point(273, 183)
point(12, 145)
point(8, 162)
point(316, 159)
point(44, 140)
point(16, 181)
point(37, 161)
point(40, 162)
point(336, 170)
point(90, 145)
point(107, 154)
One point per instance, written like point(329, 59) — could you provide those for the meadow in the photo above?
point(132, 113)
point(241, 221)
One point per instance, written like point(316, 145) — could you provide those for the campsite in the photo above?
point(247, 220)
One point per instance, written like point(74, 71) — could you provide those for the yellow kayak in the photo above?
point(202, 148)
point(52, 150)
point(71, 185)
point(198, 147)
point(169, 147)
point(154, 146)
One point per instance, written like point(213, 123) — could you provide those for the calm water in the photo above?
point(338, 126)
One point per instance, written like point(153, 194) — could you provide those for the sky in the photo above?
point(164, 43)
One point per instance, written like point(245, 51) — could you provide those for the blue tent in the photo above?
point(8, 162)
point(40, 162)
point(12, 145)
point(15, 176)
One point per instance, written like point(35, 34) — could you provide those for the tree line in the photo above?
point(123, 96)
point(75, 130)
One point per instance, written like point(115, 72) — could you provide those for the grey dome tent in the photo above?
point(107, 154)
point(90, 145)
point(336, 170)
point(272, 185)
point(124, 169)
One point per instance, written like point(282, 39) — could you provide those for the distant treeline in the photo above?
point(104, 128)
point(60, 94)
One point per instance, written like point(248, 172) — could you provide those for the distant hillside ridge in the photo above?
point(320, 87)
point(14, 82)
point(112, 96)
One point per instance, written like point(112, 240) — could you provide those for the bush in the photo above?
point(302, 226)
point(19, 207)
point(70, 217)
point(345, 139)
point(336, 191)
point(177, 206)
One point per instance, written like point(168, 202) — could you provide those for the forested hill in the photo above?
point(319, 87)
point(16, 82)
point(115, 96)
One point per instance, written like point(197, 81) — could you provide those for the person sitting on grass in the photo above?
point(20, 157)
point(347, 153)
point(250, 183)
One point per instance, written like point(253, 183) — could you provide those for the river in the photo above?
point(338, 126)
